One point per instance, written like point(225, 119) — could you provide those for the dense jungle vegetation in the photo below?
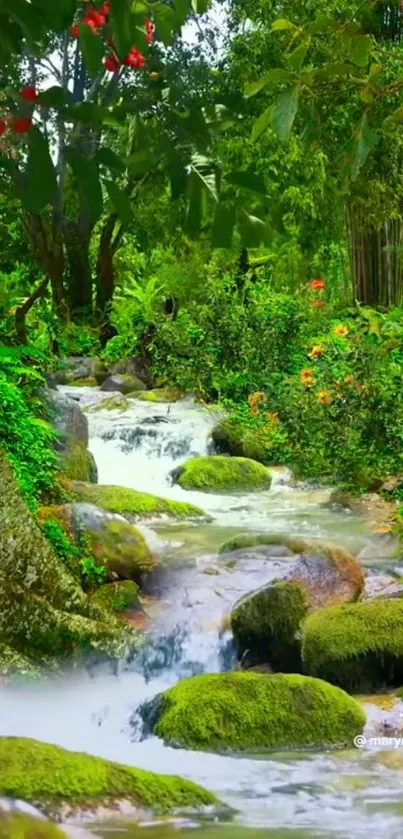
point(226, 209)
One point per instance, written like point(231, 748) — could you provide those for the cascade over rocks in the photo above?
point(266, 622)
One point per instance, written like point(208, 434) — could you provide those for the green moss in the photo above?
point(119, 547)
point(131, 502)
point(157, 395)
point(117, 402)
point(252, 540)
point(18, 826)
point(48, 776)
point(85, 381)
point(217, 473)
point(12, 662)
point(231, 438)
point(78, 463)
point(265, 623)
point(358, 646)
point(254, 712)
point(117, 597)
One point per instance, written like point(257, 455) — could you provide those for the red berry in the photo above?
point(105, 9)
point(112, 63)
point(74, 30)
point(21, 125)
point(149, 27)
point(97, 17)
point(135, 59)
point(28, 94)
point(88, 21)
point(3, 127)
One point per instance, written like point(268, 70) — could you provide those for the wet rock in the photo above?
point(392, 484)
point(378, 510)
point(391, 590)
point(123, 383)
point(130, 502)
point(358, 646)
point(79, 369)
point(266, 622)
point(77, 463)
point(66, 784)
point(117, 402)
point(117, 597)
point(167, 395)
point(216, 473)
point(253, 712)
point(254, 443)
point(131, 367)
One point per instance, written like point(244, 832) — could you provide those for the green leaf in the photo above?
point(86, 174)
point(297, 57)
point(182, 9)
point(223, 226)
point(123, 26)
point(87, 112)
point(55, 97)
point(282, 23)
point(166, 23)
point(247, 180)
point(41, 181)
point(203, 170)
point(333, 70)
point(321, 24)
point(200, 6)
point(284, 111)
point(261, 124)
point(360, 146)
point(107, 157)
point(272, 77)
point(121, 202)
point(195, 207)
point(140, 163)
point(360, 49)
point(91, 46)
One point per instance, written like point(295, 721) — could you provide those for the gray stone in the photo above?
point(123, 383)
point(68, 419)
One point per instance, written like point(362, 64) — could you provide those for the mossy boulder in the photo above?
point(117, 402)
point(12, 663)
point(216, 473)
point(253, 540)
point(266, 622)
point(20, 826)
point(44, 610)
point(254, 712)
point(167, 394)
point(117, 597)
point(81, 369)
point(86, 381)
point(357, 646)
point(123, 383)
point(54, 779)
point(114, 543)
point(130, 502)
point(229, 437)
point(76, 462)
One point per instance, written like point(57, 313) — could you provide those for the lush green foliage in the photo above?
point(75, 557)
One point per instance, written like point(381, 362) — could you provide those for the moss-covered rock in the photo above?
point(216, 473)
point(12, 663)
point(19, 826)
point(266, 622)
point(50, 778)
point(44, 610)
point(229, 437)
point(130, 502)
point(78, 464)
point(253, 540)
point(123, 383)
point(254, 712)
point(167, 394)
point(81, 368)
point(117, 597)
point(85, 381)
point(117, 402)
point(357, 646)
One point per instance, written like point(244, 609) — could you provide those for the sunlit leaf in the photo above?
point(282, 23)
point(360, 49)
point(261, 124)
point(284, 111)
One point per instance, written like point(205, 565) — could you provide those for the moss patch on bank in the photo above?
point(253, 712)
point(358, 646)
point(117, 597)
point(125, 501)
point(256, 443)
point(216, 473)
point(18, 826)
point(48, 776)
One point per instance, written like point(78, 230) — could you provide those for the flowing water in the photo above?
point(327, 794)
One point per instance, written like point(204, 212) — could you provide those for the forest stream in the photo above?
point(354, 793)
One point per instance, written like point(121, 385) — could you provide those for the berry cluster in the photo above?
point(19, 124)
point(97, 19)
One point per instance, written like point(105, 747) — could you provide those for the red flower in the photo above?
point(135, 59)
point(28, 94)
point(21, 125)
point(149, 27)
point(88, 21)
point(74, 30)
point(318, 303)
point(112, 63)
point(3, 127)
point(317, 285)
point(105, 9)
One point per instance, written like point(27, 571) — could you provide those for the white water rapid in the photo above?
point(349, 795)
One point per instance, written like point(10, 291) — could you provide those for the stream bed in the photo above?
point(354, 793)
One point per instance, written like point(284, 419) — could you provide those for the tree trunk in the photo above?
point(79, 280)
point(22, 311)
point(376, 260)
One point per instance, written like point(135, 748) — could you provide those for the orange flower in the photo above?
point(256, 399)
point(306, 376)
point(349, 379)
point(318, 303)
point(317, 284)
point(272, 416)
point(316, 352)
point(324, 397)
point(340, 330)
